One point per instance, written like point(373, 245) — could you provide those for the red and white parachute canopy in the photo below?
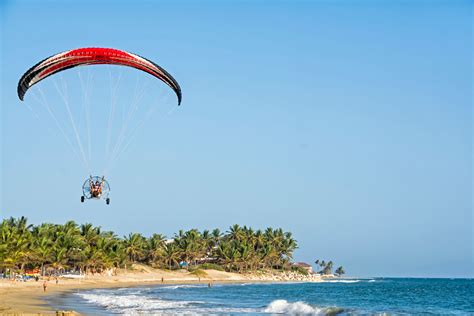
point(93, 56)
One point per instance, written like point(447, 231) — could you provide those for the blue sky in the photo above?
point(347, 123)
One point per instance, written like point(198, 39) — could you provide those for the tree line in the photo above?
point(90, 249)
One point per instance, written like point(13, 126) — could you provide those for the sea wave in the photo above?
point(132, 303)
point(299, 308)
point(350, 281)
point(343, 281)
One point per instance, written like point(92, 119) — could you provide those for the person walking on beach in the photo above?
point(45, 285)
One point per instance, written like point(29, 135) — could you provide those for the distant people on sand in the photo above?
point(45, 285)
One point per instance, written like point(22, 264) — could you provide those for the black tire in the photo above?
point(82, 199)
point(107, 201)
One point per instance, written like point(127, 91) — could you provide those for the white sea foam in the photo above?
point(131, 303)
point(343, 281)
point(296, 308)
point(218, 311)
point(350, 281)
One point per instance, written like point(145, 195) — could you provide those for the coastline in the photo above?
point(27, 298)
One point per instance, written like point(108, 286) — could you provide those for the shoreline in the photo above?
point(28, 298)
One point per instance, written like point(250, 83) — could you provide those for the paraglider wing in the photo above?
point(93, 56)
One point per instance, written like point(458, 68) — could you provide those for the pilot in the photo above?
point(96, 189)
point(98, 185)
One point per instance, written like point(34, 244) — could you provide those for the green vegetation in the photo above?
point(207, 266)
point(300, 270)
point(199, 273)
point(86, 248)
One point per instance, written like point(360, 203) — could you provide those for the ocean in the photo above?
point(373, 296)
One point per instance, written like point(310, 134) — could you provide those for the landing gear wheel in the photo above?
point(82, 199)
point(107, 201)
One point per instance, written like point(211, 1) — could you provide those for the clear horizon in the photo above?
point(349, 125)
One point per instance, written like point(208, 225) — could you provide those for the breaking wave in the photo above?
point(132, 303)
point(348, 281)
point(299, 308)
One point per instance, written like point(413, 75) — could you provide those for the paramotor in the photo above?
point(96, 188)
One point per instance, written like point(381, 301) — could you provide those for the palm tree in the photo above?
point(59, 257)
point(340, 271)
point(259, 239)
point(43, 251)
point(21, 225)
point(171, 255)
point(216, 236)
point(117, 254)
point(328, 268)
point(289, 245)
point(207, 241)
point(267, 254)
point(156, 244)
point(235, 232)
point(90, 233)
point(21, 248)
point(134, 246)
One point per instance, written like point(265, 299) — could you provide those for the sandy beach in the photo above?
point(28, 298)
